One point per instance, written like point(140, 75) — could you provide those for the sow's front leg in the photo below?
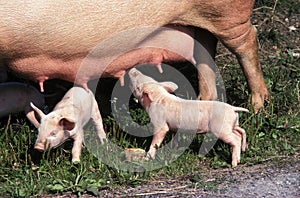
point(205, 50)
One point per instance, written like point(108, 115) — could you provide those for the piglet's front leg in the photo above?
point(97, 119)
point(77, 147)
point(158, 137)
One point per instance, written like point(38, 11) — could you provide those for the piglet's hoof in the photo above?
point(75, 161)
point(148, 157)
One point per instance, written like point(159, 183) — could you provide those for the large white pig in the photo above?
point(50, 39)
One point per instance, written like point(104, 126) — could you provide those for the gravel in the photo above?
point(262, 180)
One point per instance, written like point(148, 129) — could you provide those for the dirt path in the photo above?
point(263, 180)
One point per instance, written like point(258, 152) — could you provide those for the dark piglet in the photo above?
point(16, 97)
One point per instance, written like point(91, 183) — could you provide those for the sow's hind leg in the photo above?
point(245, 47)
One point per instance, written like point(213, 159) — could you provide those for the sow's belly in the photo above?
point(112, 57)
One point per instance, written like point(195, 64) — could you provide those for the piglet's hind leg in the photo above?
point(242, 132)
point(235, 141)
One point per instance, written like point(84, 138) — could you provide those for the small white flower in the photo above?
point(292, 28)
point(296, 54)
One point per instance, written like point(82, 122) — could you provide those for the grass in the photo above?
point(272, 135)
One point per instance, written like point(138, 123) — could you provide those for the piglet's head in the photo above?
point(152, 92)
point(146, 89)
point(137, 80)
point(54, 129)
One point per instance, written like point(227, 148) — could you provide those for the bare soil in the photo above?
point(261, 180)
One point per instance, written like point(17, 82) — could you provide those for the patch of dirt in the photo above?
point(263, 180)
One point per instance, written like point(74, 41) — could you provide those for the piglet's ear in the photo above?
point(67, 124)
point(145, 99)
point(149, 95)
point(37, 110)
point(169, 86)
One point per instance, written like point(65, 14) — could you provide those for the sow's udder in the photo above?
point(41, 68)
point(108, 59)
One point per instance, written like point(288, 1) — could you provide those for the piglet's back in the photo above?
point(77, 99)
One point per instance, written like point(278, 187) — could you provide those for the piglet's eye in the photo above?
point(53, 133)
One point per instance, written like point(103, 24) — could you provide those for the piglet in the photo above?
point(168, 111)
point(16, 97)
point(67, 120)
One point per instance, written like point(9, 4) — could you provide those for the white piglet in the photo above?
point(167, 111)
point(67, 120)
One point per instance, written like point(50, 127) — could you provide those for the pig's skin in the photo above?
point(156, 49)
point(57, 35)
point(67, 120)
point(16, 97)
point(168, 111)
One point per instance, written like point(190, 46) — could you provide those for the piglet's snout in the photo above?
point(43, 145)
point(39, 147)
point(133, 73)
